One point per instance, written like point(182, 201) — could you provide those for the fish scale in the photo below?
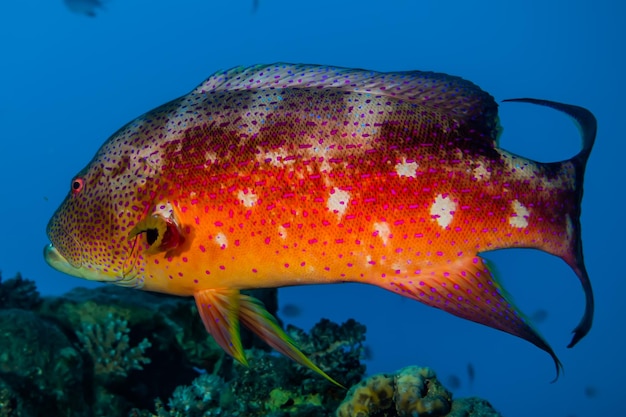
point(286, 174)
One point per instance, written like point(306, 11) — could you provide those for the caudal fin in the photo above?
point(587, 125)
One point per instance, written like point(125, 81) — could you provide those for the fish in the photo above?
point(85, 7)
point(292, 174)
point(290, 310)
point(453, 382)
point(539, 316)
point(591, 391)
point(471, 373)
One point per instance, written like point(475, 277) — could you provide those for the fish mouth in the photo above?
point(57, 261)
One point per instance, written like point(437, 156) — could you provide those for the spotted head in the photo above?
point(90, 233)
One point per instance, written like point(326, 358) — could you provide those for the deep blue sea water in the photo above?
point(68, 81)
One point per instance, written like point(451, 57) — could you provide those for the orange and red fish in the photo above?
point(278, 175)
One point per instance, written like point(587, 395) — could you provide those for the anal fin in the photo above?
point(467, 289)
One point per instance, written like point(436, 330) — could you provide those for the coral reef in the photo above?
point(275, 385)
point(200, 399)
point(472, 407)
point(18, 292)
point(40, 368)
point(334, 348)
point(170, 324)
point(108, 345)
point(12, 404)
point(111, 351)
point(412, 391)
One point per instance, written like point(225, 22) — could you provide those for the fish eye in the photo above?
point(77, 185)
point(152, 235)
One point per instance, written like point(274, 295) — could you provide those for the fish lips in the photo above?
point(57, 261)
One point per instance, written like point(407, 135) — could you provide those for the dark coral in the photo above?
point(472, 407)
point(42, 367)
point(113, 351)
point(18, 292)
point(276, 386)
point(336, 348)
point(178, 342)
point(115, 326)
point(13, 404)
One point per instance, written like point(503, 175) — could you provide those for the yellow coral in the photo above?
point(283, 400)
point(368, 396)
point(410, 391)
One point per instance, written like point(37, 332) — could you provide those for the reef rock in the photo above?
point(412, 391)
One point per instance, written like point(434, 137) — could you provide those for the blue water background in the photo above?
point(69, 81)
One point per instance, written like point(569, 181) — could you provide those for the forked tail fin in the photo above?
point(587, 126)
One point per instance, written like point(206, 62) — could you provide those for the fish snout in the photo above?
point(63, 245)
point(57, 261)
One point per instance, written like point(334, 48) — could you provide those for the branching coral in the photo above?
point(202, 394)
point(276, 386)
point(108, 345)
point(200, 399)
point(409, 392)
point(334, 348)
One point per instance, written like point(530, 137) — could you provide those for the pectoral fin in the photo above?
point(219, 310)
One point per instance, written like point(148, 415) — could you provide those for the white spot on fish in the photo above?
point(275, 158)
point(221, 240)
point(164, 210)
point(443, 210)
point(247, 198)
point(481, 173)
point(325, 166)
point(282, 232)
point(397, 266)
point(519, 218)
point(407, 169)
point(383, 231)
point(338, 202)
point(209, 158)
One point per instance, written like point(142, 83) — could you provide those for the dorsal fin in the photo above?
point(438, 92)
